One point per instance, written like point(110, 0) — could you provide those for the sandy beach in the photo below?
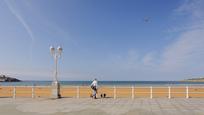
point(87, 106)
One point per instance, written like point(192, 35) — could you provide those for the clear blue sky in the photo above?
point(104, 39)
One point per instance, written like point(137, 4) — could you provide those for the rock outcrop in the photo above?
point(4, 78)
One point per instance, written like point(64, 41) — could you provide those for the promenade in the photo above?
point(107, 106)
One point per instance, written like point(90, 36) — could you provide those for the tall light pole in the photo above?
point(56, 53)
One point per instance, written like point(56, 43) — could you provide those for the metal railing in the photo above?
point(110, 91)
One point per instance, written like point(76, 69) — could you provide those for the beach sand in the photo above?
point(109, 106)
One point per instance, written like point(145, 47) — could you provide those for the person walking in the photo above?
point(94, 87)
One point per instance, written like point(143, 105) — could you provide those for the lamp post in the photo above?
point(56, 53)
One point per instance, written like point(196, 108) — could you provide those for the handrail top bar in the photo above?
point(25, 86)
point(115, 86)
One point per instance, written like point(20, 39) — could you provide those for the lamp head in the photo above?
point(52, 50)
point(59, 49)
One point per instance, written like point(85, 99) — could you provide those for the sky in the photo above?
point(103, 39)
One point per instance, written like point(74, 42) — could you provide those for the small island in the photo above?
point(4, 78)
point(199, 79)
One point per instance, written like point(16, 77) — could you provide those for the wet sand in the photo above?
point(87, 106)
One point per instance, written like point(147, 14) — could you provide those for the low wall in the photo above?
point(111, 92)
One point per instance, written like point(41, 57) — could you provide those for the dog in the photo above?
point(103, 95)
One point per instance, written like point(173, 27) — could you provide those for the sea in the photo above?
point(104, 83)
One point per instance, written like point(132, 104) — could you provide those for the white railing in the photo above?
point(169, 92)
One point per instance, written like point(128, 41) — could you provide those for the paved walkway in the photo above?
point(70, 106)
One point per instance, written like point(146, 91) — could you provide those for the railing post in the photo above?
point(151, 92)
point(133, 92)
point(169, 92)
point(77, 91)
point(33, 95)
point(114, 92)
point(187, 92)
point(14, 92)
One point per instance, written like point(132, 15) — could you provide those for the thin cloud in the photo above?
point(23, 22)
point(185, 55)
point(149, 59)
point(186, 50)
point(191, 13)
point(181, 59)
point(191, 8)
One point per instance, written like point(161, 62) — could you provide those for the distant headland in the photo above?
point(199, 79)
point(4, 78)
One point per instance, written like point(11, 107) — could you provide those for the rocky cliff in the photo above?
point(4, 78)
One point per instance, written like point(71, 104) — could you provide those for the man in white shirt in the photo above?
point(94, 87)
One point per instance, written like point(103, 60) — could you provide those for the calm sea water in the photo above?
point(101, 83)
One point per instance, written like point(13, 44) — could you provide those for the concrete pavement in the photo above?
point(109, 106)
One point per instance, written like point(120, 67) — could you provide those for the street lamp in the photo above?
point(56, 53)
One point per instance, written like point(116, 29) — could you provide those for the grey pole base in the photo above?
point(55, 90)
